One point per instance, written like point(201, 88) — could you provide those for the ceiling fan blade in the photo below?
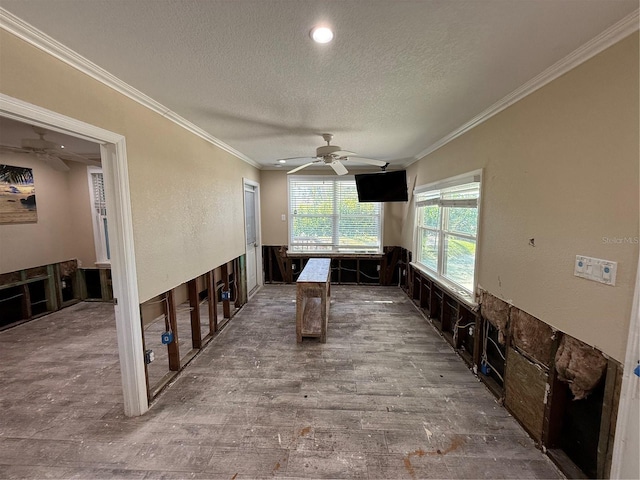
point(9, 148)
point(59, 152)
point(345, 153)
point(297, 158)
point(54, 162)
point(76, 157)
point(96, 162)
point(369, 161)
point(338, 167)
point(300, 168)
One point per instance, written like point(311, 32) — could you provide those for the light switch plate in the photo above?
point(596, 269)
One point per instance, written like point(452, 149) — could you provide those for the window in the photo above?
point(447, 229)
point(99, 214)
point(325, 216)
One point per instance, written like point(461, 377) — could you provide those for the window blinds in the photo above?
point(460, 196)
point(326, 215)
point(98, 193)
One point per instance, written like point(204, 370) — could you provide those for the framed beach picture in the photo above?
point(17, 195)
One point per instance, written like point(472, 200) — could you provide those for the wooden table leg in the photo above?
point(299, 313)
point(323, 316)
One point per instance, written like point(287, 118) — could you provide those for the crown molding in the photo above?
point(44, 42)
point(604, 40)
point(25, 112)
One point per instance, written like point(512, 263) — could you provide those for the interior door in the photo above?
point(251, 230)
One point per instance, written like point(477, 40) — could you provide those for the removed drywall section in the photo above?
point(577, 434)
point(178, 323)
point(384, 269)
point(579, 365)
point(497, 312)
point(531, 336)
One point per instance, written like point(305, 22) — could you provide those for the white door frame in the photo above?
point(123, 265)
point(259, 269)
point(625, 444)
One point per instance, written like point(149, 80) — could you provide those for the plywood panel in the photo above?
point(524, 392)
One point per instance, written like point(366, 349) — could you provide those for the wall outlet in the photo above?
point(166, 338)
point(596, 269)
point(225, 295)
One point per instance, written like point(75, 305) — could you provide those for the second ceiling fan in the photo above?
point(333, 155)
point(51, 153)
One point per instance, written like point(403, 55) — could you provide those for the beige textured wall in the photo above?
point(274, 202)
point(560, 166)
point(186, 194)
point(81, 216)
point(61, 230)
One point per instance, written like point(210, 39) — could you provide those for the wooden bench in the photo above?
point(313, 294)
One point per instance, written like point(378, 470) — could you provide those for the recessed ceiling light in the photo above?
point(61, 146)
point(322, 35)
point(282, 161)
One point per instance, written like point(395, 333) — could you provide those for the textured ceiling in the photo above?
point(398, 77)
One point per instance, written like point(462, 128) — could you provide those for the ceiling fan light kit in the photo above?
point(334, 155)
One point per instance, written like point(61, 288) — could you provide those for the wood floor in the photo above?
point(384, 398)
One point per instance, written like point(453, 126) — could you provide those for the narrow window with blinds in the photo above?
point(446, 229)
point(325, 216)
point(99, 214)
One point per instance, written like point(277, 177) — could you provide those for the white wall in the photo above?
point(63, 217)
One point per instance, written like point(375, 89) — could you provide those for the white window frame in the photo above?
point(335, 249)
point(97, 220)
point(431, 194)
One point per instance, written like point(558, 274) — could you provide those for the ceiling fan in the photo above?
point(333, 155)
point(49, 152)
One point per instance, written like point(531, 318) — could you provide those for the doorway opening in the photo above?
point(253, 248)
point(118, 210)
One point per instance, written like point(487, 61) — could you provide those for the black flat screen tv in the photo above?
point(382, 187)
